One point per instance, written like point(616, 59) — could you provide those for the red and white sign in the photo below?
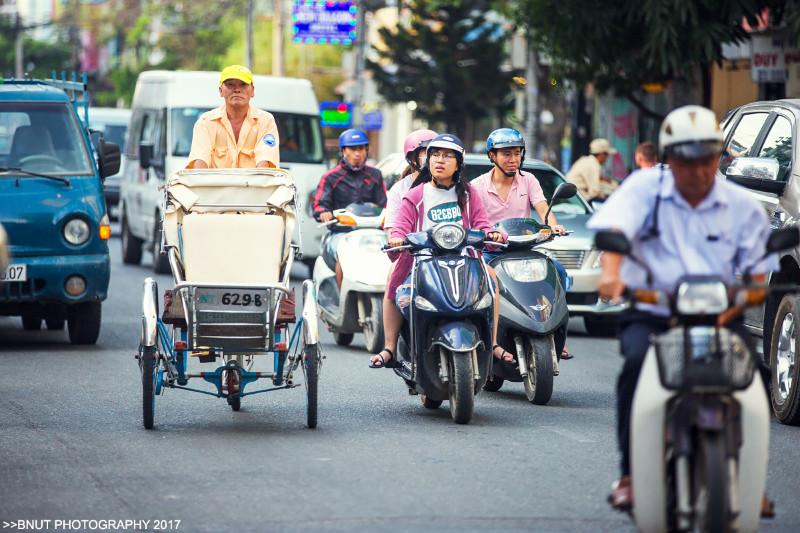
point(770, 57)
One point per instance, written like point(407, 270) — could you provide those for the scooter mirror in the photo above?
point(564, 191)
point(612, 241)
point(783, 239)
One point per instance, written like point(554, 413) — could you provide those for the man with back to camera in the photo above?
point(236, 134)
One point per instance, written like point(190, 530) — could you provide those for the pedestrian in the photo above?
point(681, 220)
point(645, 155)
point(587, 172)
point(235, 134)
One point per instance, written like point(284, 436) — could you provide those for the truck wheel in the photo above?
point(31, 323)
point(83, 322)
point(131, 245)
point(160, 262)
point(783, 364)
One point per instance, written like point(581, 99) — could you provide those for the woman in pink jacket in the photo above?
point(442, 197)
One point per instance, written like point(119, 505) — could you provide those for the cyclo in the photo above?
point(228, 238)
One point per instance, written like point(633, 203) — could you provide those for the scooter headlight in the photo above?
point(485, 301)
point(425, 305)
point(526, 270)
point(702, 298)
point(448, 236)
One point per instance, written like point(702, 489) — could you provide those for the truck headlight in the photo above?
point(76, 231)
point(526, 270)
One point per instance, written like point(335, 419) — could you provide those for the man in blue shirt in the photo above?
point(680, 220)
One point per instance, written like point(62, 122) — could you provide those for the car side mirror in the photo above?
point(146, 155)
point(108, 158)
point(757, 173)
point(783, 239)
point(612, 241)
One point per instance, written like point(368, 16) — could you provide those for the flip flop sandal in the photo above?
point(383, 362)
point(566, 355)
point(503, 355)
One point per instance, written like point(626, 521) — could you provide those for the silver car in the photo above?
point(576, 251)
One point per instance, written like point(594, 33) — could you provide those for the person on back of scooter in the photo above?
point(507, 191)
point(415, 149)
point(442, 197)
point(680, 220)
point(351, 181)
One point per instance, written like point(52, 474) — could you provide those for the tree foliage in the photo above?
point(448, 59)
point(621, 45)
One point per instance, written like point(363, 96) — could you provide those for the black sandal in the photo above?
point(383, 362)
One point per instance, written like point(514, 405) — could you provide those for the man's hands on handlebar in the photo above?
point(327, 216)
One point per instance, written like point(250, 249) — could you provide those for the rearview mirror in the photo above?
point(564, 191)
point(757, 173)
point(109, 158)
point(612, 241)
point(783, 239)
point(146, 155)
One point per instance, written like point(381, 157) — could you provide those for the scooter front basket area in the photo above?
point(703, 359)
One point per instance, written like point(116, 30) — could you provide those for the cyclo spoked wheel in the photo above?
point(311, 363)
point(539, 381)
point(711, 484)
point(148, 358)
point(461, 386)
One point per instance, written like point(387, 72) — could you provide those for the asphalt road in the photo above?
point(72, 445)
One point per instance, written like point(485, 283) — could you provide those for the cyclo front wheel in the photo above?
point(148, 358)
point(311, 364)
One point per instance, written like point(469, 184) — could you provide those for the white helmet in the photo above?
point(690, 132)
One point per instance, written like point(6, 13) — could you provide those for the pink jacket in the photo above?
point(409, 220)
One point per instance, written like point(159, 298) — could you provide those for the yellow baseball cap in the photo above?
point(236, 72)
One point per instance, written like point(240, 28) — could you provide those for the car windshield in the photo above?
point(42, 137)
point(548, 179)
point(300, 135)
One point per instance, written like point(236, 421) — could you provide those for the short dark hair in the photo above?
point(648, 151)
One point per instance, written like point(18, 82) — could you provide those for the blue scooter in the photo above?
point(533, 307)
point(444, 350)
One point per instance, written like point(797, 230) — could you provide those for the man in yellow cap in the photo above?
point(236, 134)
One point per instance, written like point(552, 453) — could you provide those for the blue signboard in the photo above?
point(324, 21)
point(373, 120)
point(336, 114)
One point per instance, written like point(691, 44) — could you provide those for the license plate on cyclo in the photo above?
point(14, 273)
point(232, 299)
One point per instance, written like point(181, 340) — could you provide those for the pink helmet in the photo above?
point(416, 139)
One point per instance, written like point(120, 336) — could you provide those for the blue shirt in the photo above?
point(726, 233)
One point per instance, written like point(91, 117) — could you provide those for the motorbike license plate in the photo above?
point(227, 299)
point(15, 273)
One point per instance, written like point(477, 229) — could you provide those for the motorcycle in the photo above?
point(700, 416)
point(533, 307)
point(356, 237)
point(444, 349)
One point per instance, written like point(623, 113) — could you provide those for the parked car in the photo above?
point(166, 105)
point(113, 123)
point(576, 251)
point(760, 153)
point(52, 208)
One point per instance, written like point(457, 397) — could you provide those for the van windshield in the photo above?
point(42, 137)
point(300, 135)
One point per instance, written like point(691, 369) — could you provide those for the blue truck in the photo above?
point(52, 208)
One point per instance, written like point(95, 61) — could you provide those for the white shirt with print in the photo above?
point(440, 206)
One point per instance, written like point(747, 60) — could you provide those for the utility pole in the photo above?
point(248, 41)
point(277, 38)
point(532, 100)
point(19, 52)
point(361, 45)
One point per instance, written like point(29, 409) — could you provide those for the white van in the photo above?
point(165, 107)
point(113, 123)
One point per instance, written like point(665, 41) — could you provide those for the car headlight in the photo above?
point(76, 231)
point(485, 301)
point(526, 270)
point(448, 236)
point(425, 305)
point(702, 298)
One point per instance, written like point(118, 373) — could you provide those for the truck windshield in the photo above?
point(42, 137)
point(300, 135)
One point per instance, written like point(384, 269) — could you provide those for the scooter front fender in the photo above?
point(457, 336)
